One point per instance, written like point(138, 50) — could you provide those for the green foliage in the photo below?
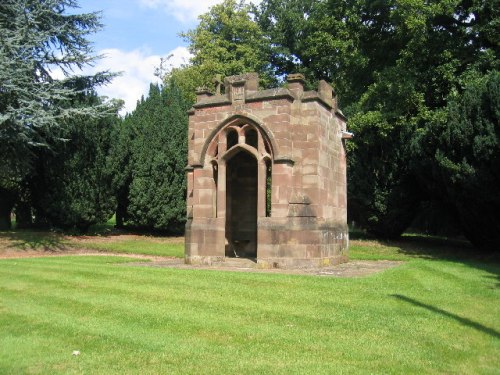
point(226, 41)
point(464, 143)
point(72, 184)
point(319, 39)
point(417, 79)
point(120, 162)
point(383, 194)
point(394, 65)
point(38, 39)
point(151, 153)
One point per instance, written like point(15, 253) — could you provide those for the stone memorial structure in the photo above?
point(266, 175)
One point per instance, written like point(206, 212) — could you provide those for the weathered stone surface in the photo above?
point(288, 149)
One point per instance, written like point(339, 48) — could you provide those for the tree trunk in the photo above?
point(5, 222)
point(24, 218)
point(7, 201)
point(119, 219)
point(121, 209)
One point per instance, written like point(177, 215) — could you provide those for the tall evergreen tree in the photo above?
point(151, 152)
point(71, 184)
point(461, 158)
point(120, 163)
point(38, 38)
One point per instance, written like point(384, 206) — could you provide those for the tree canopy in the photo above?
point(42, 48)
point(39, 41)
point(70, 186)
point(457, 157)
point(227, 41)
point(417, 79)
point(148, 157)
point(397, 67)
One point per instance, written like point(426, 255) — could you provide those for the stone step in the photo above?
point(239, 262)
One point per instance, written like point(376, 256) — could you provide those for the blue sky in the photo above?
point(136, 34)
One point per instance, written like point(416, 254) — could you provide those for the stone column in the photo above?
point(221, 190)
point(261, 188)
point(189, 198)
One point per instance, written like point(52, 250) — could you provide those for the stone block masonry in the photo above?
point(266, 175)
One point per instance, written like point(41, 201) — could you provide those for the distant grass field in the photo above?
point(146, 246)
point(101, 237)
point(105, 238)
point(436, 313)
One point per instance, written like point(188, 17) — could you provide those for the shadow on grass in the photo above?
point(431, 247)
point(464, 321)
point(31, 242)
point(435, 247)
point(35, 240)
point(422, 246)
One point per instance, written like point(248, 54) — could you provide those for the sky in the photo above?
point(136, 34)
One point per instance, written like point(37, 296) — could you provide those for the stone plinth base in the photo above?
point(302, 242)
point(204, 260)
point(291, 263)
point(268, 263)
point(292, 242)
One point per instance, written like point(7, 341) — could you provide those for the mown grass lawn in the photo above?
point(46, 243)
point(138, 246)
point(429, 315)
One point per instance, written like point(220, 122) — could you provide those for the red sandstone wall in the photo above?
point(308, 217)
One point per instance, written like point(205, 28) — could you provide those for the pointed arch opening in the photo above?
point(242, 154)
point(219, 138)
point(269, 184)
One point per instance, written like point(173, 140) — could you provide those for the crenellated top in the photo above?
point(244, 88)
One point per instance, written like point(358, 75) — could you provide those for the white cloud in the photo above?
point(137, 69)
point(184, 10)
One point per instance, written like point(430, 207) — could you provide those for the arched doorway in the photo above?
point(236, 186)
point(241, 205)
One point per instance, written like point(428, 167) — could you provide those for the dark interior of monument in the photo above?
point(241, 210)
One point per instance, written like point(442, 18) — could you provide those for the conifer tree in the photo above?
point(120, 163)
point(71, 184)
point(150, 153)
point(461, 158)
point(38, 39)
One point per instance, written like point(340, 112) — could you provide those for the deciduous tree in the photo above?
point(394, 65)
point(227, 41)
